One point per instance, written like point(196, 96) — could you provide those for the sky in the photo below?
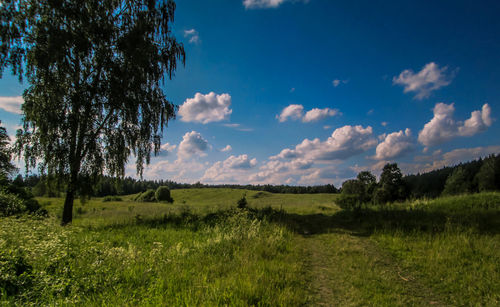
point(312, 92)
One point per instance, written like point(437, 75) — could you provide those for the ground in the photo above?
point(288, 250)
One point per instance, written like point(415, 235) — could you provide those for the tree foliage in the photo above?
point(94, 70)
point(391, 186)
point(488, 176)
point(357, 191)
point(6, 166)
point(457, 183)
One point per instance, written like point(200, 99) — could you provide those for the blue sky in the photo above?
point(312, 92)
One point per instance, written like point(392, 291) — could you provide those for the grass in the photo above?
point(286, 250)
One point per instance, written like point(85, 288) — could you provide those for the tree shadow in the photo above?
point(360, 222)
point(365, 221)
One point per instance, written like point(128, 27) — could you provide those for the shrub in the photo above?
point(163, 194)
point(15, 200)
point(147, 196)
point(11, 204)
point(242, 202)
point(14, 272)
point(349, 201)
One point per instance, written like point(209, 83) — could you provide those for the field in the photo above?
point(284, 250)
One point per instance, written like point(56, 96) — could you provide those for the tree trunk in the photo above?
point(67, 216)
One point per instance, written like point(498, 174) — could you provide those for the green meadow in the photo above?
point(282, 250)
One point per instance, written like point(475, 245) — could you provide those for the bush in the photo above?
point(163, 194)
point(11, 204)
point(147, 196)
point(14, 272)
point(349, 201)
point(242, 203)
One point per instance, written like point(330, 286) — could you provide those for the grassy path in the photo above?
point(349, 270)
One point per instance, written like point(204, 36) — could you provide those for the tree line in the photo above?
point(53, 186)
point(471, 177)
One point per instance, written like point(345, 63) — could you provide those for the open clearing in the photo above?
point(288, 250)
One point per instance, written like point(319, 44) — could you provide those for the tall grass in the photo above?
point(284, 250)
point(452, 244)
point(229, 258)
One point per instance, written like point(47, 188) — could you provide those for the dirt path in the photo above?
point(344, 269)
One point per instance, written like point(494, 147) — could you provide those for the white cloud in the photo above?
point(337, 82)
point(227, 148)
point(319, 114)
point(266, 4)
point(293, 111)
point(344, 143)
point(439, 160)
point(241, 161)
point(443, 127)
point(478, 121)
point(166, 148)
point(430, 78)
point(394, 145)
point(296, 112)
point(237, 127)
point(12, 104)
point(375, 168)
point(277, 172)
point(468, 154)
point(206, 108)
point(179, 170)
point(233, 169)
point(192, 144)
point(193, 35)
point(384, 124)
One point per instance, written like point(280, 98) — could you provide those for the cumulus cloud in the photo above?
point(206, 108)
point(265, 4)
point(443, 127)
point(319, 114)
point(344, 143)
point(374, 168)
point(429, 79)
point(192, 144)
point(384, 124)
point(241, 161)
point(394, 145)
point(166, 148)
point(276, 166)
point(293, 111)
point(233, 169)
point(12, 104)
point(192, 35)
point(179, 170)
point(277, 172)
point(439, 160)
point(227, 148)
point(468, 154)
point(296, 112)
